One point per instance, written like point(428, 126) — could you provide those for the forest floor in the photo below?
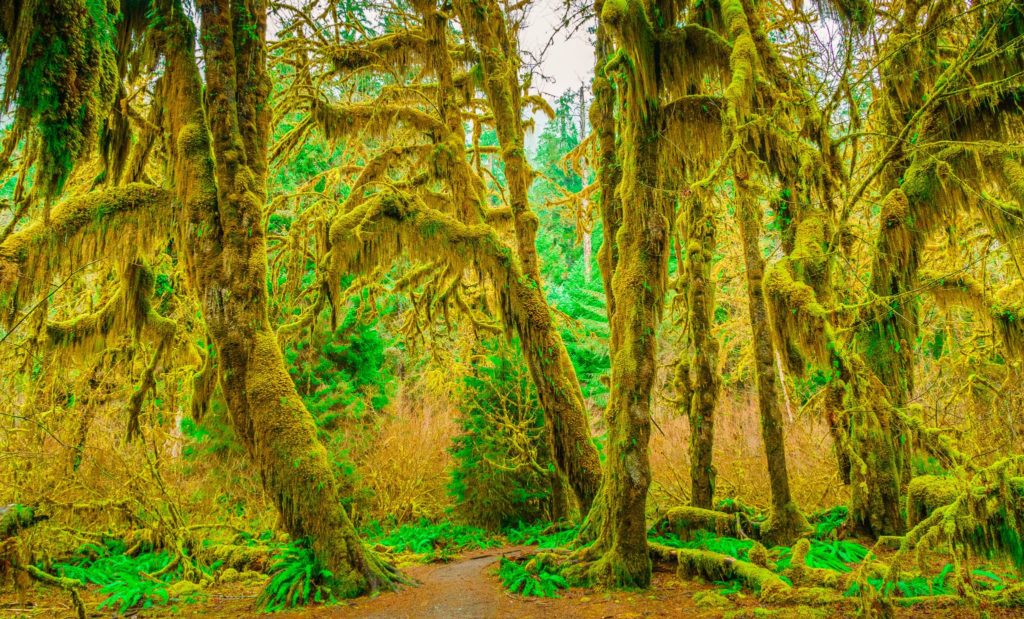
point(468, 587)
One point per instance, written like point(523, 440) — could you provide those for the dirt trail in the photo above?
point(463, 588)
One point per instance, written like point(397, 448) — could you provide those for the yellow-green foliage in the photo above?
point(118, 223)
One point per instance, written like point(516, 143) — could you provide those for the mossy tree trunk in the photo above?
point(704, 383)
point(609, 171)
point(218, 162)
point(619, 553)
point(553, 373)
point(786, 521)
point(609, 175)
point(638, 284)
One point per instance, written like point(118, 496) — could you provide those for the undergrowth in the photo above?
point(534, 579)
point(541, 534)
point(297, 578)
point(835, 555)
point(438, 541)
point(129, 582)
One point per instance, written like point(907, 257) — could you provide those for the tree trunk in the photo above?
point(704, 382)
point(220, 182)
point(638, 282)
point(786, 522)
point(557, 385)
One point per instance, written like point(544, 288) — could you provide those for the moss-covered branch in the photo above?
point(389, 224)
point(113, 223)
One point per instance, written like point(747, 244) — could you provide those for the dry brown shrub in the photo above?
point(740, 461)
point(407, 468)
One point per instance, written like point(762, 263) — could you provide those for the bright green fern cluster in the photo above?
point(535, 579)
point(297, 578)
point(129, 582)
point(435, 541)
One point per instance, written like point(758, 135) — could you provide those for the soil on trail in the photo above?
point(469, 588)
point(462, 588)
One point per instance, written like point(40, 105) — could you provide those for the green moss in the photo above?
point(711, 600)
point(686, 522)
point(67, 83)
point(714, 567)
point(926, 493)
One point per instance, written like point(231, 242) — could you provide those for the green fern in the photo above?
point(297, 579)
point(435, 540)
point(534, 580)
point(835, 555)
point(703, 540)
point(828, 521)
point(126, 580)
point(534, 534)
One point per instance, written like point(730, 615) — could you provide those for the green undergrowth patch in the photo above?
point(840, 556)
point(130, 582)
point(703, 540)
point(835, 555)
point(532, 579)
point(828, 522)
point(433, 541)
point(541, 534)
point(297, 578)
point(924, 586)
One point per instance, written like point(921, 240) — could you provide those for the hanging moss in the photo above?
point(116, 223)
point(66, 80)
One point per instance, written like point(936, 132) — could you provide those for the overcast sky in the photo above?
point(567, 63)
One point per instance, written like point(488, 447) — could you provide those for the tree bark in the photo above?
point(553, 373)
point(786, 522)
point(704, 382)
point(219, 172)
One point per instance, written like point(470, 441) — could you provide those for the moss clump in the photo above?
point(926, 493)
point(685, 522)
point(711, 599)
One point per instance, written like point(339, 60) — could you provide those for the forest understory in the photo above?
point(330, 308)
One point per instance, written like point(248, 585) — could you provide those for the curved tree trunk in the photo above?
point(218, 170)
point(553, 373)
